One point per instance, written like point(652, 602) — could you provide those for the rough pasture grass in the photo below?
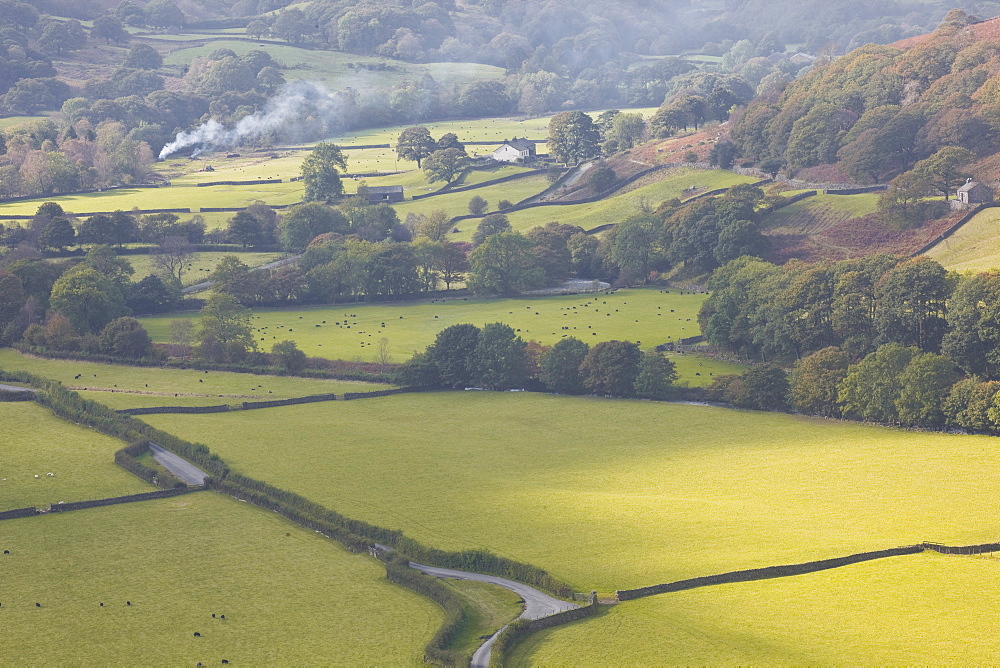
point(109, 377)
point(647, 315)
point(290, 596)
point(973, 247)
point(35, 442)
point(200, 265)
point(921, 609)
point(815, 214)
point(618, 207)
point(609, 494)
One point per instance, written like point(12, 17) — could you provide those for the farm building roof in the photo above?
point(384, 190)
point(521, 144)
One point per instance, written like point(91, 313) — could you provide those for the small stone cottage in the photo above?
point(973, 193)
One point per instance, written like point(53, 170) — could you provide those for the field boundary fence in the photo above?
point(984, 548)
point(96, 503)
point(856, 191)
point(271, 403)
point(765, 573)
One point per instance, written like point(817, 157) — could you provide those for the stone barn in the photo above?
point(973, 193)
point(515, 150)
point(380, 194)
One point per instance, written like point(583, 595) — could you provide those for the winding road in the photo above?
point(536, 603)
point(180, 467)
point(16, 388)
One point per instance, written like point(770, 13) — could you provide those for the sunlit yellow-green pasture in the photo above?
point(974, 247)
point(925, 609)
point(613, 493)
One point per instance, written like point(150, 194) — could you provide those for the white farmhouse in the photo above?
point(515, 150)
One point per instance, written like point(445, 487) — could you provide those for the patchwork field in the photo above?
point(290, 597)
point(611, 494)
point(924, 609)
point(973, 248)
point(35, 443)
point(346, 331)
point(117, 383)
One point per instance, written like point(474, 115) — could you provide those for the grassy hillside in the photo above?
point(610, 494)
point(973, 248)
point(36, 443)
point(919, 609)
point(290, 597)
point(337, 70)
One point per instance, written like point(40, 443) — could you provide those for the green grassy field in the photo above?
point(973, 248)
point(331, 67)
point(290, 597)
point(457, 204)
point(922, 609)
point(10, 121)
point(611, 494)
point(184, 382)
point(200, 265)
point(619, 207)
point(36, 443)
point(646, 315)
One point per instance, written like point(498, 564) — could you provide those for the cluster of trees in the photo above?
point(894, 384)
point(51, 229)
point(496, 358)
point(42, 159)
point(442, 159)
point(879, 111)
point(880, 338)
point(80, 305)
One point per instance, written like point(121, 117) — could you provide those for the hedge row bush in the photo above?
point(398, 570)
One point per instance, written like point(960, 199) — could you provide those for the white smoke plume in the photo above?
point(302, 109)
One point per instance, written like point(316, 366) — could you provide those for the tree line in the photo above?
point(494, 357)
point(880, 338)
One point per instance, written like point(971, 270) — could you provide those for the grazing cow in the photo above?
point(38, 605)
point(197, 635)
point(213, 615)
point(6, 551)
point(223, 617)
point(225, 661)
point(128, 602)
